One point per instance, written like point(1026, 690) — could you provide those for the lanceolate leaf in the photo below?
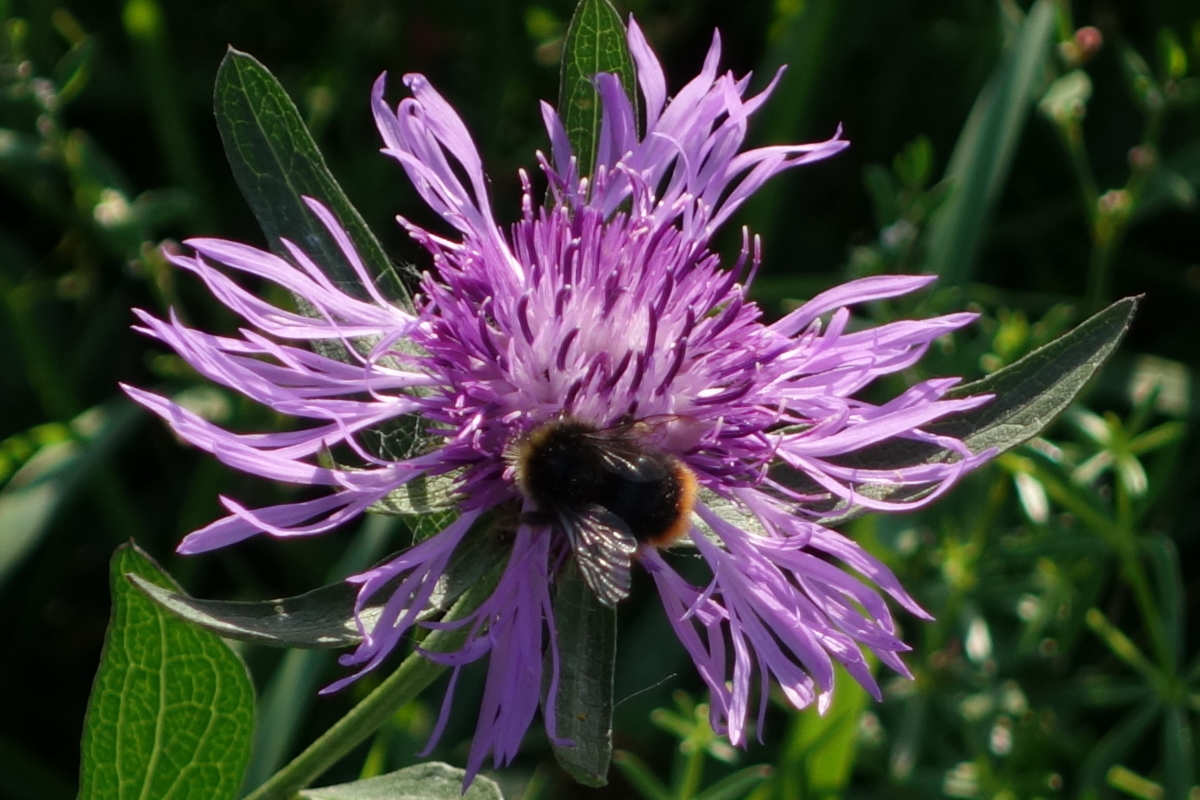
point(276, 163)
point(1032, 392)
point(430, 781)
point(172, 709)
point(48, 481)
point(587, 644)
point(822, 747)
point(982, 156)
point(1029, 394)
point(324, 617)
point(595, 43)
point(321, 618)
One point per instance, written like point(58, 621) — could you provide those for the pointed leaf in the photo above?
point(1029, 395)
point(738, 785)
point(1033, 391)
point(1116, 746)
point(823, 747)
point(595, 43)
point(276, 163)
point(1166, 576)
point(430, 781)
point(587, 645)
point(324, 617)
point(51, 478)
point(172, 709)
point(983, 154)
point(321, 618)
point(1177, 752)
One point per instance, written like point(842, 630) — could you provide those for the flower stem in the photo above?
point(410, 678)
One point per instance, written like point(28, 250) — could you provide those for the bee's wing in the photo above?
point(603, 548)
point(625, 460)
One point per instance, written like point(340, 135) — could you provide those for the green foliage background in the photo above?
point(1063, 659)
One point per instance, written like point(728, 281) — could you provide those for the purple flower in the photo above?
point(603, 311)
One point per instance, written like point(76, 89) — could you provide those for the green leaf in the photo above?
point(587, 645)
point(321, 618)
point(595, 43)
point(638, 775)
point(1116, 745)
point(430, 781)
point(824, 746)
point(738, 785)
point(172, 708)
point(276, 162)
point(729, 510)
point(55, 473)
point(1177, 753)
point(1130, 784)
point(1029, 394)
point(1163, 560)
point(983, 154)
point(1034, 390)
point(423, 495)
point(325, 617)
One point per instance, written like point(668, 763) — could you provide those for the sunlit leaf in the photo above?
point(595, 43)
point(1033, 391)
point(172, 708)
point(324, 617)
point(321, 618)
point(824, 745)
point(1028, 395)
point(431, 781)
point(420, 496)
point(276, 163)
point(1130, 784)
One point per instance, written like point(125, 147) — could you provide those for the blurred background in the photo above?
point(1044, 161)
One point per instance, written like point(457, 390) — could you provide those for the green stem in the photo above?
point(1072, 136)
point(410, 679)
point(692, 774)
point(1100, 268)
point(1066, 23)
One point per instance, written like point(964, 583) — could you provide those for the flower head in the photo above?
point(598, 332)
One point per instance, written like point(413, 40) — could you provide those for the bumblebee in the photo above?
point(609, 490)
